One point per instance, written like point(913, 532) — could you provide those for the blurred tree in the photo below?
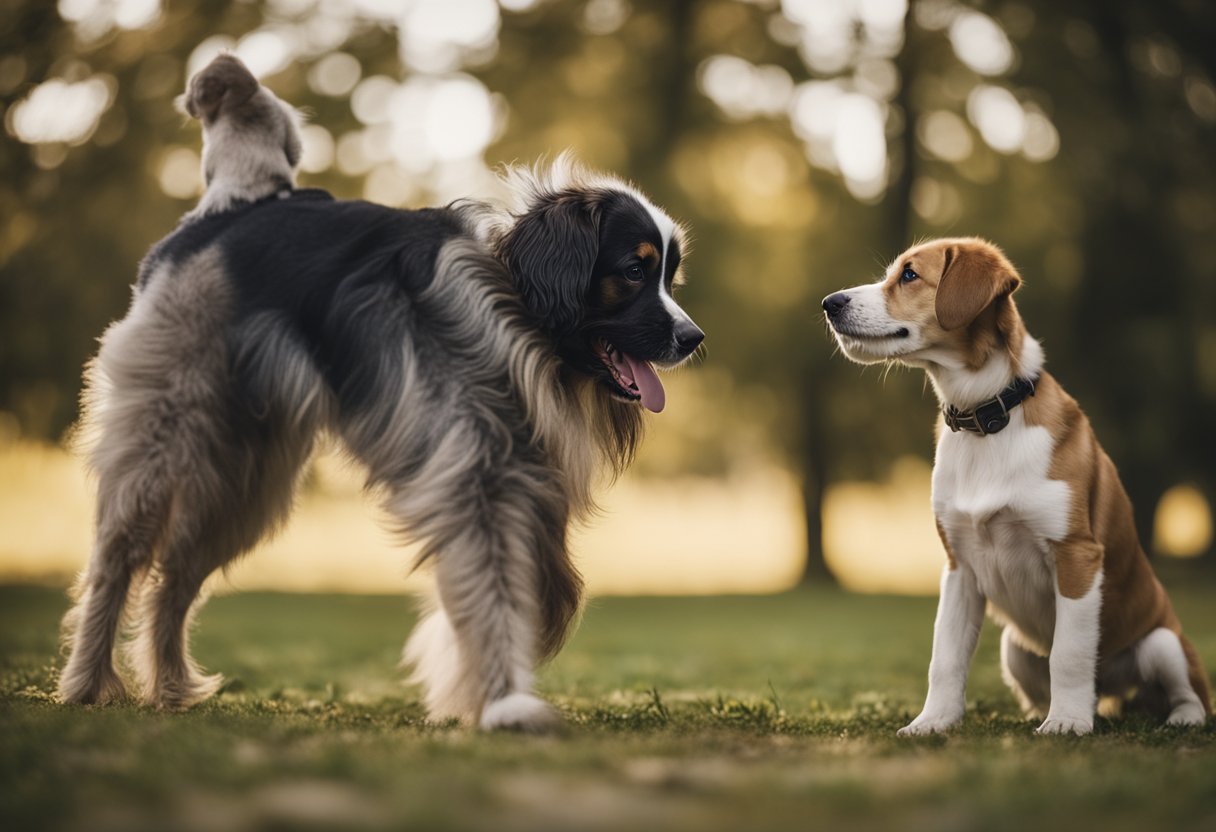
point(1140, 156)
point(805, 143)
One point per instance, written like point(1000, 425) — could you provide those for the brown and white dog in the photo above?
point(1035, 522)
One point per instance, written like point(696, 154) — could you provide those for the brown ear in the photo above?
point(224, 80)
point(973, 277)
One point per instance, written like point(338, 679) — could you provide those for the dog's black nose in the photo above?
point(688, 336)
point(835, 304)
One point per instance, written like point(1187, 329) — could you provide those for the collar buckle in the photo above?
point(991, 416)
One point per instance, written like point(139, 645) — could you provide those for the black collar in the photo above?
point(991, 416)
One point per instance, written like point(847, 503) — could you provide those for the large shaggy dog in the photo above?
point(482, 362)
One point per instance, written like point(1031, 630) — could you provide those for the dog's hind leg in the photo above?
point(129, 427)
point(1163, 663)
point(1027, 674)
point(234, 498)
point(153, 381)
point(159, 653)
point(132, 515)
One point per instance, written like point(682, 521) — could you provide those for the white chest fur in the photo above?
point(999, 508)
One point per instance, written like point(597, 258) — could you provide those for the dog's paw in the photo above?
point(927, 724)
point(1188, 713)
point(100, 689)
point(519, 712)
point(81, 683)
point(182, 694)
point(1066, 725)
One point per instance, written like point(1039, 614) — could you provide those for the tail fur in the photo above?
point(561, 594)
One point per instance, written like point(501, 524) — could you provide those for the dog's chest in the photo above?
point(1000, 509)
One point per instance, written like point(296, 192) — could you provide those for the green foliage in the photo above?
point(705, 713)
point(1116, 235)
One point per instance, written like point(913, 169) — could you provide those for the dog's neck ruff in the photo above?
point(991, 416)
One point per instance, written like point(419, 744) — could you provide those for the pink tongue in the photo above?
point(647, 380)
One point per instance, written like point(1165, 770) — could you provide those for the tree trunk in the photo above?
point(814, 484)
point(671, 70)
point(894, 230)
point(1145, 169)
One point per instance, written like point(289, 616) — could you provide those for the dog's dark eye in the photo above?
point(634, 274)
point(908, 276)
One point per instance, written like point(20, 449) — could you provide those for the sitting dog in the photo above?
point(1030, 509)
point(251, 139)
point(483, 362)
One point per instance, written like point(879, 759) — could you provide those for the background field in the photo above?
point(699, 713)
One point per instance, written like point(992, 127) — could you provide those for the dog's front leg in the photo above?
point(1074, 648)
point(960, 614)
point(487, 526)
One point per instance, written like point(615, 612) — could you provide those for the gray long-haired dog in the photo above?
point(482, 362)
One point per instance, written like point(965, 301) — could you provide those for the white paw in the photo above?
point(1066, 725)
point(927, 723)
point(519, 712)
point(1188, 713)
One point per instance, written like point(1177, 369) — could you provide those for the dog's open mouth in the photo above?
point(902, 332)
point(635, 379)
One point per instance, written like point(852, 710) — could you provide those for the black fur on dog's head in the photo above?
point(597, 263)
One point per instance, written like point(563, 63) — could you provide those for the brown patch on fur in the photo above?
point(963, 299)
point(1078, 562)
point(973, 276)
point(1133, 600)
point(614, 290)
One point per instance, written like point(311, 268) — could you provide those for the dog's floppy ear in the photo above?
point(550, 252)
point(223, 81)
point(975, 274)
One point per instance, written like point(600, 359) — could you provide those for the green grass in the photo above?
point(691, 713)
